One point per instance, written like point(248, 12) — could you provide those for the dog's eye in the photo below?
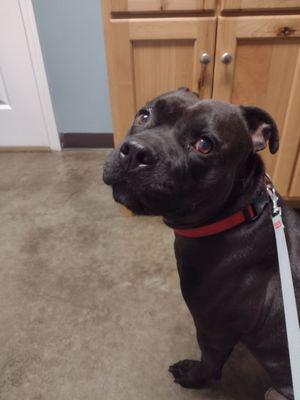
point(142, 117)
point(204, 145)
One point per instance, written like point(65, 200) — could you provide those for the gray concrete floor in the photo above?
point(90, 300)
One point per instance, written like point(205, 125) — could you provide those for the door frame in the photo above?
point(32, 38)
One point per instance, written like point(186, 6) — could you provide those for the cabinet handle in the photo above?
point(226, 58)
point(205, 58)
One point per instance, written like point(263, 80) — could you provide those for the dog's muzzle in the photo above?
point(134, 155)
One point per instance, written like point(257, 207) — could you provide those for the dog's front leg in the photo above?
point(194, 374)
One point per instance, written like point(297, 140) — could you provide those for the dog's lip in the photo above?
point(111, 179)
point(122, 187)
point(120, 183)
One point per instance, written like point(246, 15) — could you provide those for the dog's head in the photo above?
point(182, 154)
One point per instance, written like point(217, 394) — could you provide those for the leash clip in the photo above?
point(273, 196)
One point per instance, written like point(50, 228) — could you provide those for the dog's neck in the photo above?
point(249, 183)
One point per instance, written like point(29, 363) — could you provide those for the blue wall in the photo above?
point(71, 36)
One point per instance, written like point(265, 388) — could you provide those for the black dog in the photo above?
point(195, 162)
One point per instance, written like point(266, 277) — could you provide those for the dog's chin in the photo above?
point(138, 203)
point(130, 200)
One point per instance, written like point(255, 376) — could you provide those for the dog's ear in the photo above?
point(262, 128)
point(185, 89)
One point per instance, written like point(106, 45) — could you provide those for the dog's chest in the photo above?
point(224, 281)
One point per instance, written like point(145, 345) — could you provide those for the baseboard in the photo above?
point(293, 203)
point(23, 149)
point(87, 140)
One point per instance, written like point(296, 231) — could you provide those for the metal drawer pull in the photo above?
point(205, 58)
point(226, 58)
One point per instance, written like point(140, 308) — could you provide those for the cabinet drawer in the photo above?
point(161, 5)
point(259, 5)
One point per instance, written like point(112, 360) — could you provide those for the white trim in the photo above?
point(32, 37)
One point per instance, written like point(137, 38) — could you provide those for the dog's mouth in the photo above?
point(147, 191)
point(124, 194)
point(151, 198)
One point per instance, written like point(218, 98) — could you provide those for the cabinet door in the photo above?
point(147, 57)
point(264, 71)
point(259, 5)
point(162, 5)
point(295, 186)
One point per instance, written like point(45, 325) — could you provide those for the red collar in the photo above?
point(248, 214)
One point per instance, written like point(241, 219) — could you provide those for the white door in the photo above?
point(23, 118)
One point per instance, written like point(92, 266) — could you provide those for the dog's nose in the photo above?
point(134, 155)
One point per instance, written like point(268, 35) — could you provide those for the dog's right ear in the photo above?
point(186, 89)
point(262, 128)
point(183, 89)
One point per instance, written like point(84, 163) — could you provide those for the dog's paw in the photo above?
point(191, 374)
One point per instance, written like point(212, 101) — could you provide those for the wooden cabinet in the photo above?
point(259, 5)
point(150, 55)
point(265, 71)
point(295, 185)
point(161, 5)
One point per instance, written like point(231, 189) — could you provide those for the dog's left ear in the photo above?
point(262, 128)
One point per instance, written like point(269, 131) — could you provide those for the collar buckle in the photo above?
point(273, 196)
